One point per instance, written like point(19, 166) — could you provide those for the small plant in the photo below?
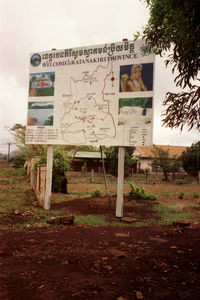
point(96, 193)
point(181, 194)
point(140, 193)
point(167, 193)
point(18, 161)
point(196, 195)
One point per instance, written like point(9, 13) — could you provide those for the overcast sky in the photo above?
point(33, 25)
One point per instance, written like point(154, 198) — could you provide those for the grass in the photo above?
point(169, 214)
point(92, 220)
point(167, 193)
point(16, 195)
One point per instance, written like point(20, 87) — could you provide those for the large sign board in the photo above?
point(97, 95)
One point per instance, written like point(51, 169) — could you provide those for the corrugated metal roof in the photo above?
point(89, 154)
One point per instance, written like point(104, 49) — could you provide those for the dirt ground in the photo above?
point(95, 262)
point(100, 262)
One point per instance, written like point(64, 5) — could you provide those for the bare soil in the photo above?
point(80, 262)
point(100, 262)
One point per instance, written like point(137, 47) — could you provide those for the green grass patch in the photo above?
point(7, 172)
point(169, 214)
point(92, 220)
point(167, 193)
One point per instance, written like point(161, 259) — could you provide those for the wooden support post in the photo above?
point(92, 176)
point(120, 183)
point(104, 175)
point(47, 198)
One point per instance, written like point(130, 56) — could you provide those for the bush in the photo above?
point(60, 166)
point(140, 193)
point(18, 161)
point(96, 193)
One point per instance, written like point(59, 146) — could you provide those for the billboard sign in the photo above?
point(96, 95)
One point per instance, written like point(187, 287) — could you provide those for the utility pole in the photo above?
point(8, 151)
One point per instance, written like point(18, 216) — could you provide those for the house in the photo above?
point(87, 161)
point(144, 153)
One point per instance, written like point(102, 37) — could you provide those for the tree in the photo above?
point(112, 159)
point(162, 160)
point(175, 25)
point(18, 131)
point(191, 159)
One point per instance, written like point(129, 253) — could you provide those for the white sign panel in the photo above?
point(98, 95)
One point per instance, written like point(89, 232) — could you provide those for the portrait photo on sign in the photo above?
point(135, 111)
point(40, 113)
point(41, 84)
point(136, 78)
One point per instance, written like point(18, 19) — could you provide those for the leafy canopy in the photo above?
point(191, 159)
point(174, 25)
point(162, 160)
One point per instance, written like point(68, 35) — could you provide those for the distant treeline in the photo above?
point(35, 106)
point(142, 102)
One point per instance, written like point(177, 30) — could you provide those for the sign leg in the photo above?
point(47, 198)
point(120, 183)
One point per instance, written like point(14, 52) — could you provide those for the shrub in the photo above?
point(181, 194)
point(18, 161)
point(96, 193)
point(60, 166)
point(140, 193)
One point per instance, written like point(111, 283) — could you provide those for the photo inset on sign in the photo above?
point(40, 113)
point(136, 78)
point(41, 84)
point(135, 111)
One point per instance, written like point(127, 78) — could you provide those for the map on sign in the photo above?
point(87, 114)
point(98, 95)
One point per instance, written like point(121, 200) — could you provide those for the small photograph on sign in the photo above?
point(40, 113)
point(135, 111)
point(41, 84)
point(136, 78)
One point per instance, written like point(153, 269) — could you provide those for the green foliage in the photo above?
point(162, 160)
point(169, 214)
point(175, 26)
point(7, 172)
point(92, 220)
point(18, 160)
point(167, 193)
point(112, 159)
point(96, 193)
point(18, 131)
point(140, 193)
point(181, 194)
point(196, 195)
point(191, 159)
point(61, 163)
point(49, 121)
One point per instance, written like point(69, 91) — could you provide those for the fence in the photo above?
point(37, 179)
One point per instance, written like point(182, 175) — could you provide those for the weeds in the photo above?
point(181, 194)
point(92, 220)
point(96, 193)
point(196, 195)
point(167, 193)
point(140, 193)
point(169, 214)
